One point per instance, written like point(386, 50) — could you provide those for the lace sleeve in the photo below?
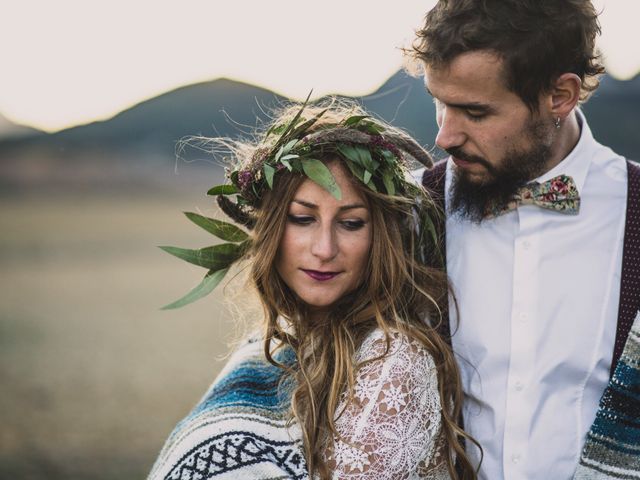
point(390, 429)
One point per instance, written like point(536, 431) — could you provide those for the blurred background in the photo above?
point(93, 98)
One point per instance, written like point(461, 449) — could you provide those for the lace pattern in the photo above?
point(391, 428)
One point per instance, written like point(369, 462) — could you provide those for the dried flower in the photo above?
point(245, 177)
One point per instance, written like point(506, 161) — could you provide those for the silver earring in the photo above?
point(557, 122)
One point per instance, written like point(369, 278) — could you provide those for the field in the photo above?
point(94, 375)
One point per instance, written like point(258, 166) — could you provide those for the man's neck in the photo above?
point(566, 139)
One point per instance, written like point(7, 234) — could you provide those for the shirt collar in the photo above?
point(576, 164)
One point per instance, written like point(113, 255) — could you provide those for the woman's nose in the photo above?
point(324, 244)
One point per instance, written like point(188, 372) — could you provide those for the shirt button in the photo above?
point(519, 386)
point(515, 458)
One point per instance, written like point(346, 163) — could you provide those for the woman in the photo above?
point(346, 378)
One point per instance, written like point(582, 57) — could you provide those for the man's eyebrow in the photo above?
point(471, 106)
point(465, 105)
point(313, 206)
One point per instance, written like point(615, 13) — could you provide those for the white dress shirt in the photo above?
point(538, 298)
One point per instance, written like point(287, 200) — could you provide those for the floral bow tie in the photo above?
point(558, 194)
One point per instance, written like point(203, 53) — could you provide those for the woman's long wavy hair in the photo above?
point(398, 292)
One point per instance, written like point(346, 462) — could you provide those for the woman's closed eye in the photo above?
point(300, 219)
point(353, 224)
point(350, 224)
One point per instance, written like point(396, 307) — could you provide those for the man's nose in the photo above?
point(324, 244)
point(450, 133)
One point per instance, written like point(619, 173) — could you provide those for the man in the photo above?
point(542, 313)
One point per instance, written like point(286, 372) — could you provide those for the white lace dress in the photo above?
point(392, 428)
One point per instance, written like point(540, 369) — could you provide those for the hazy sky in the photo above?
point(66, 62)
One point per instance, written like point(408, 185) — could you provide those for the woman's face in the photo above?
point(326, 243)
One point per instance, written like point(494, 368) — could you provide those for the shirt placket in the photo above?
point(522, 345)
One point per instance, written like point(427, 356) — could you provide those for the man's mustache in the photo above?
point(462, 155)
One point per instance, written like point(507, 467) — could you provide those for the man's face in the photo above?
point(494, 140)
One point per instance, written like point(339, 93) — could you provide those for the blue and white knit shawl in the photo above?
point(612, 449)
point(239, 428)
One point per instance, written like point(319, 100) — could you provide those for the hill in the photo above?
point(8, 129)
point(140, 141)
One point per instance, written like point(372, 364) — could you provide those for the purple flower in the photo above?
point(378, 141)
point(244, 178)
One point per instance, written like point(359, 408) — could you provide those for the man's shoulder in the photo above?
point(433, 180)
point(435, 174)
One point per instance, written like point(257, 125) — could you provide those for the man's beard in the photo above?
point(471, 199)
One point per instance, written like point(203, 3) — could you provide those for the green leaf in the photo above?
point(276, 129)
point(269, 171)
point(354, 120)
point(306, 125)
point(296, 165)
point(278, 154)
point(356, 170)
point(285, 161)
point(349, 152)
point(289, 156)
point(222, 230)
point(427, 223)
point(389, 156)
point(292, 123)
point(213, 258)
point(387, 179)
point(206, 286)
point(287, 148)
point(223, 190)
point(372, 128)
point(367, 176)
point(358, 155)
point(366, 160)
point(320, 174)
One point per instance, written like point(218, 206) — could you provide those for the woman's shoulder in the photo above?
point(394, 346)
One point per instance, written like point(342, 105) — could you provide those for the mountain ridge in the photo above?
point(146, 134)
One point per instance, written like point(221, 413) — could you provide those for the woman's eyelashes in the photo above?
point(301, 219)
point(351, 224)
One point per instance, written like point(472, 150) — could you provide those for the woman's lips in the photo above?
point(321, 276)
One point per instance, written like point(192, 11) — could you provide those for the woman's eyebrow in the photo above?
point(313, 206)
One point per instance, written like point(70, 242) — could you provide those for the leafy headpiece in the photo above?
point(376, 155)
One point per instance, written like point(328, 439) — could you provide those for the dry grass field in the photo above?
point(94, 375)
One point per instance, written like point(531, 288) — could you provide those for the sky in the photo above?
point(68, 62)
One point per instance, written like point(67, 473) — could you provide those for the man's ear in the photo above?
point(564, 95)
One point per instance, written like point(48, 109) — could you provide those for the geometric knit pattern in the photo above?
point(612, 449)
point(233, 451)
point(239, 429)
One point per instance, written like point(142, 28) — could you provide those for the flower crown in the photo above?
point(374, 155)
